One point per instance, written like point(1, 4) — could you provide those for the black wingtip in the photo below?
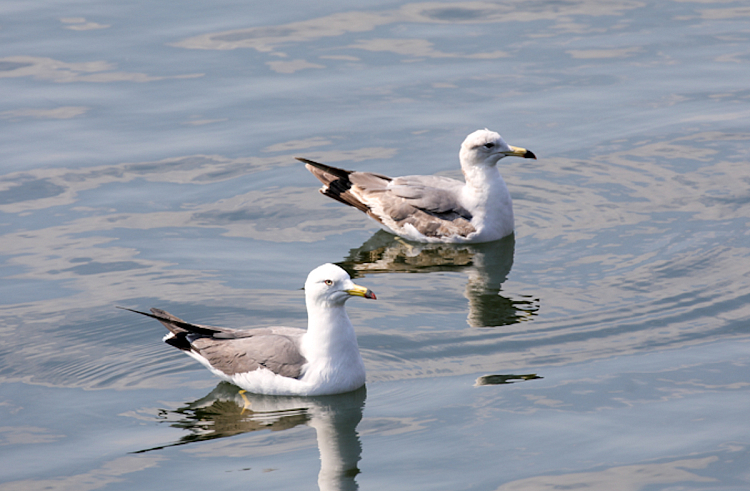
point(334, 171)
point(130, 310)
point(157, 317)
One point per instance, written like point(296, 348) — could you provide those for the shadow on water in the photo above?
point(504, 379)
point(228, 411)
point(486, 265)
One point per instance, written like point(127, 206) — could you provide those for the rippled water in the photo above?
point(147, 160)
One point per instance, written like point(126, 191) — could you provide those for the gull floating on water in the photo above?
point(434, 208)
point(322, 360)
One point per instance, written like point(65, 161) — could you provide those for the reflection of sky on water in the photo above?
point(148, 160)
point(561, 63)
point(269, 40)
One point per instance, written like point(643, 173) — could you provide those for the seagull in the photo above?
point(434, 208)
point(322, 360)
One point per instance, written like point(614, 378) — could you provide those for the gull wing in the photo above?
point(234, 351)
point(265, 348)
point(430, 204)
point(434, 194)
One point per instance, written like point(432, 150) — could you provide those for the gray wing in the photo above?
point(236, 350)
point(279, 353)
point(428, 203)
point(439, 195)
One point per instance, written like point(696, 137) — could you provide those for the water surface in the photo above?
point(148, 160)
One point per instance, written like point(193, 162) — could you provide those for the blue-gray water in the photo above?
point(146, 159)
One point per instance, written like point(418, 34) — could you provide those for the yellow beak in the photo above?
point(360, 291)
point(520, 152)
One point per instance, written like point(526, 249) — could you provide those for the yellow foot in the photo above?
point(247, 404)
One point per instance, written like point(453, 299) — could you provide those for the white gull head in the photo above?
point(486, 148)
point(330, 286)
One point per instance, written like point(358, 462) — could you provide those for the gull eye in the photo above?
point(328, 282)
point(489, 145)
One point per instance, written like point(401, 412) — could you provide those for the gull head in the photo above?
point(486, 148)
point(330, 285)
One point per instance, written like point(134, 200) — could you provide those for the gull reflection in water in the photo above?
point(228, 410)
point(486, 265)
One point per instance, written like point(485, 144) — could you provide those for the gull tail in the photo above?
point(319, 169)
point(336, 183)
point(179, 330)
point(347, 186)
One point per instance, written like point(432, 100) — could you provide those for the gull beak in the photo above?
point(520, 152)
point(360, 291)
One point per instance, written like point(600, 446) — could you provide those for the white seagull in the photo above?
point(434, 208)
point(322, 360)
